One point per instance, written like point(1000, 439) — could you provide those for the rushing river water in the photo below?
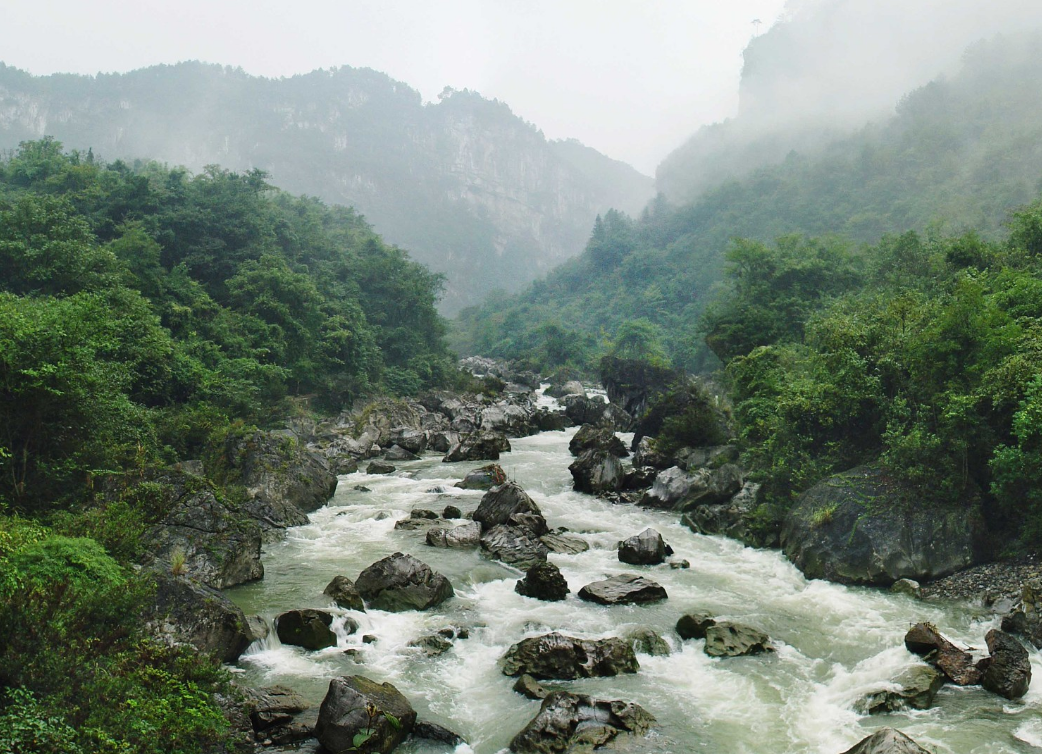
point(833, 643)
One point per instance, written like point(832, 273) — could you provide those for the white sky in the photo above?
point(632, 78)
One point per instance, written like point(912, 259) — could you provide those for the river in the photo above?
point(834, 643)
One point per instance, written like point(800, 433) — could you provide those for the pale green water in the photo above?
point(834, 643)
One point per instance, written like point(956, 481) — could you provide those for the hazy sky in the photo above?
point(632, 78)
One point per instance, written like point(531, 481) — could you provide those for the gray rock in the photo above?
point(543, 581)
point(886, 741)
point(484, 478)
point(258, 627)
point(272, 706)
point(639, 478)
point(561, 657)
point(1025, 618)
point(416, 524)
point(342, 591)
point(695, 625)
point(583, 410)
point(343, 716)
point(478, 446)
point(386, 418)
point(451, 512)
point(590, 437)
point(443, 441)
point(646, 548)
point(423, 513)
point(401, 582)
point(513, 545)
point(306, 628)
point(646, 641)
point(861, 528)
point(597, 471)
point(1007, 672)
point(432, 645)
point(670, 489)
point(709, 457)
point(409, 439)
point(623, 590)
point(570, 722)
point(465, 535)
point(563, 544)
point(529, 687)
point(438, 733)
point(925, 640)
point(907, 587)
point(675, 489)
point(398, 453)
point(727, 639)
point(572, 387)
point(645, 454)
point(509, 504)
point(380, 467)
point(915, 688)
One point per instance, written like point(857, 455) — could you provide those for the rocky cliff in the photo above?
point(468, 187)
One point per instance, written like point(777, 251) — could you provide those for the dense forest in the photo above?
point(146, 312)
point(960, 153)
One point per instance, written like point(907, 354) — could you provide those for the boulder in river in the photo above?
point(483, 478)
point(886, 741)
point(735, 518)
point(563, 544)
point(925, 640)
point(569, 722)
point(590, 437)
point(625, 589)
point(509, 504)
point(359, 714)
point(561, 657)
point(464, 535)
point(647, 641)
point(1025, 619)
point(272, 712)
point(694, 625)
point(597, 471)
point(309, 629)
point(645, 454)
point(478, 446)
point(861, 527)
point(543, 581)
point(646, 548)
point(409, 439)
point(513, 545)
point(342, 590)
point(727, 639)
point(380, 467)
point(529, 687)
point(915, 688)
point(398, 453)
point(400, 582)
point(1007, 672)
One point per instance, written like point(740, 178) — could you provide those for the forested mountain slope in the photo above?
point(960, 153)
point(468, 187)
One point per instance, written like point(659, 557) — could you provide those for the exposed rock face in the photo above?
point(220, 546)
point(1025, 618)
point(484, 478)
point(401, 582)
point(409, 439)
point(556, 656)
point(188, 612)
point(509, 504)
point(1008, 671)
point(645, 454)
point(695, 625)
point(887, 741)
point(916, 688)
point(597, 471)
point(675, 489)
point(342, 590)
point(860, 528)
point(646, 548)
point(590, 437)
point(623, 590)
point(478, 446)
point(574, 722)
point(670, 489)
point(734, 518)
point(273, 712)
point(513, 545)
point(925, 640)
point(583, 410)
point(343, 716)
point(306, 628)
point(465, 535)
point(543, 581)
point(631, 383)
point(727, 639)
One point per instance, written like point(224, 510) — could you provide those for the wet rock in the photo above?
point(623, 590)
point(306, 628)
point(563, 544)
point(646, 548)
point(344, 464)
point(380, 467)
point(398, 453)
point(528, 686)
point(727, 639)
point(272, 706)
point(679, 564)
point(451, 512)
point(369, 639)
point(925, 640)
point(570, 722)
point(439, 490)
point(511, 419)
point(907, 587)
point(543, 581)
point(582, 410)
point(572, 387)
point(443, 441)
point(675, 489)
point(423, 513)
point(509, 504)
point(258, 627)
point(632, 383)
point(886, 741)
point(465, 535)
point(401, 582)
point(435, 732)
point(646, 641)
point(597, 471)
point(561, 657)
point(188, 612)
point(478, 446)
point(1025, 619)
point(590, 437)
point(432, 645)
point(915, 688)
point(361, 488)
point(344, 715)
point(409, 439)
point(736, 518)
point(695, 625)
point(342, 590)
point(484, 478)
point(860, 527)
point(416, 524)
point(513, 545)
point(1007, 672)
point(669, 490)
point(550, 421)
point(645, 454)
point(638, 479)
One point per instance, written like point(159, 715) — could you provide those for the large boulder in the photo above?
point(343, 592)
point(361, 715)
point(380, 468)
point(695, 625)
point(925, 640)
point(676, 489)
point(398, 453)
point(511, 419)
point(409, 438)
point(646, 548)
point(543, 581)
point(632, 383)
point(590, 437)
point(597, 471)
point(727, 639)
point(309, 629)
point(188, 612)
point(582, 410)
point(669, 490)
point(509, 504)
point(563, 544)
point(860, 527)
point(464, 535)
point(1007, 672)
point(914, 688)
point(706, 457)
point(400, 582)
point(514, 545)
point(569, 722)
point(572, 387)
point(273, 714)
point(886, 741)
point(645, 640)
point(556, 656)
point(1025, 619)
point(381, 419)
point(483, 478)
point(623, 590)
point(478, 446)
point(645, 454)
point(202, 535)
point(735, 518)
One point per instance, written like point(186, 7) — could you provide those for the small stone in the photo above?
point(369, 639)
point(451, 511)
point(694, 625)
point(361, 488)
point(677, 565)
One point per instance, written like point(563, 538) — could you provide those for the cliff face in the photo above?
point(468, 187)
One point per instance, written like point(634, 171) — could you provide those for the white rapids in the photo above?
point(834, 643)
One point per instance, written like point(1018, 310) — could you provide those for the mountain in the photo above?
point(466, 186)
